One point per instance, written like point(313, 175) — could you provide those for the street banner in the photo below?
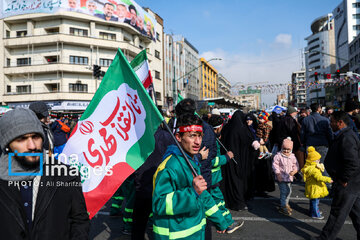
point(120, 11)
point(140, 64)
point(114, 136)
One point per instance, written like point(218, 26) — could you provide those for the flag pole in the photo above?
point(222, 145)
point(181, 150)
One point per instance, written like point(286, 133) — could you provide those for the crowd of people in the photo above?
point(199, 170)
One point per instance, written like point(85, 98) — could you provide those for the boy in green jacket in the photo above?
point(216, 121)
point(181, 203)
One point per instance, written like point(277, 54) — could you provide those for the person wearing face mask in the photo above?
point(285, 166)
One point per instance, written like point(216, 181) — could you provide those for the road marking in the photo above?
point(286, 220)
point(292, 198)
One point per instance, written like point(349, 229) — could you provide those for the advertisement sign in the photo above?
point(121, 11)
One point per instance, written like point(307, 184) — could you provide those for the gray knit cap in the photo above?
point(16, 123)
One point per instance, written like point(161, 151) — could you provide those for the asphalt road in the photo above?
point(262, 221)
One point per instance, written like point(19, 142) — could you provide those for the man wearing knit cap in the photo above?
point(42, 112)
point(35, 205)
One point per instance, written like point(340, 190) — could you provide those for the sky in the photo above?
point(257, 40)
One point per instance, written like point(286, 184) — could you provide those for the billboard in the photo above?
point(121, 11)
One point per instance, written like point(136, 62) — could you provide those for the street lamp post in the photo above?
point(175, 80)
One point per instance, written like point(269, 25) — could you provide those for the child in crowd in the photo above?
point(315, 187)
point(262, 132)
point(217, 121)
point(285, 167)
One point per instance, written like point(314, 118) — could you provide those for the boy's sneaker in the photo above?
point(235, 226)
point(268, 155)
point(261, 155)
point(289, 208)
point(318, 218)
point(285, 211)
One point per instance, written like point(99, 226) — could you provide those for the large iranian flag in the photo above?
point(115, 134)
point(140, 64)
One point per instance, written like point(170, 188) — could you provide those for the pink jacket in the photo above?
point(284, 165)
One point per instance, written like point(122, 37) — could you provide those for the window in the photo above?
point(157, 36)
point(21, 33)
point(157, 54)
point(356, 16)
point(356, 5)
point(54, 30)
point(105, 62)
point(356, 27)
point(23, 61)
point(314, 47)
point(158, 96)
point(314, 40)
point(79, 32)
point(52, 87)
point(79, 60)
point(157, 75)
point(7, 34)
point(8, 88)
point(78, 87)
point(23, 89)
point(8, 62)
point(107, 36)
point(314, 61)
point(51, 59)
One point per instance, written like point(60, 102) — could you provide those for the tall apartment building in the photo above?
point(224, 87)
point(347, 27)
point(181, 66)
point(320, 51)
point(354, 65)
point(208, 80)
point(49, 56)
point(298, 88)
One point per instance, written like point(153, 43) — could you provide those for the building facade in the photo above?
point(347, 27)
point(224, 87)
point(320, 58)
point(208, 80)
point(298, 89)
point(49, 57)
point(250, 98)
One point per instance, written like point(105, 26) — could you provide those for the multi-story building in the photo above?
point(181, 68)
point(208, 80)
point(250, 98)
point(49, 56)
point(354, 65)
point(281, 100)
point(347, 27)
point(298, 89)
point(224, 87)
point(320, 51)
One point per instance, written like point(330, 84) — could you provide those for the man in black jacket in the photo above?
point(33, 205)
point(342, 162)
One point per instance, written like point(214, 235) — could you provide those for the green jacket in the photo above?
point(217, 162)
point(179, 212)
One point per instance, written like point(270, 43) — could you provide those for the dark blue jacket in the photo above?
point(209, 141)
point(353, 126)
point(60, 137)
point(316, 131)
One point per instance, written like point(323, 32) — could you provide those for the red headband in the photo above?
point(191, 128)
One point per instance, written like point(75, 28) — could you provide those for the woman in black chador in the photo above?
point(237, 138)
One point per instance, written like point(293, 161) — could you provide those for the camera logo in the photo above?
point(11, 155)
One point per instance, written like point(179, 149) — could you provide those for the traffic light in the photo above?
point(337, 74)
point(316, 75)
point(96, 71)
point(327, 75)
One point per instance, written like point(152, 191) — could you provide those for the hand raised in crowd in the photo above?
point(204, 153)
point(230, 154)
point(199, 184)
